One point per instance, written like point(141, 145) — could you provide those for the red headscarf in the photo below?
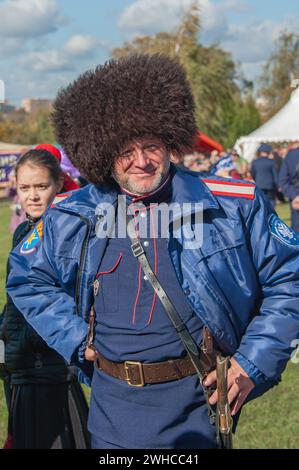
point(69, 184)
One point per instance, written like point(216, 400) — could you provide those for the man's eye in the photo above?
point(127, 154)
point(152, 147)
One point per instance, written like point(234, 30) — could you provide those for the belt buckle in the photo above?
point(139, 365)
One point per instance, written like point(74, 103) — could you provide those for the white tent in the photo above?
point(283, 127)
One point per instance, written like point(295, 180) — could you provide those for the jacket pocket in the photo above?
point(215, 276)
point(107, 299)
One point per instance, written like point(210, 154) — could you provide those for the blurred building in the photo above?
point(6, 108)
point(32, 105)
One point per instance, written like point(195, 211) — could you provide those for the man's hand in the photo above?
point(90, 354)
point(238, 385)
point(295, 203)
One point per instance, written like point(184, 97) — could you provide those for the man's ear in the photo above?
point(173, 157)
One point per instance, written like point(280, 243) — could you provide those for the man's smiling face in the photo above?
point(142, 165)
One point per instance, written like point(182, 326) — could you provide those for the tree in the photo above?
point(244, 119)
point(210, 70)
point(27, 129)
point(279, 72)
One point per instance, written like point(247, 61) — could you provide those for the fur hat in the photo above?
point(97, 114)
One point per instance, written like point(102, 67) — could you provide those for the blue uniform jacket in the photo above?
point(243, 283)
point(264, 173)
point(289, 174)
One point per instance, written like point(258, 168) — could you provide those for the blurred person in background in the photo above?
point(198, 162)
point(189, 161)
point(279, 154)
point(67, 166)
point(283, 151)
point(205, 165)
point(224, 165)
point(240, 164)
point(264, 172)
point(18, 214)
point(289, 183)
point(46, 405)
point(214, 157)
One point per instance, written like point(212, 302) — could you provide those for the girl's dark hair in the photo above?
point(41, 158)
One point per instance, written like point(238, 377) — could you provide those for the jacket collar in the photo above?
point(187, 186)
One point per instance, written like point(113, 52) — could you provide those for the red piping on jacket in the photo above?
point(112, 269)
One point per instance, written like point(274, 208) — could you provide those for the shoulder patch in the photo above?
point(230, 188)
point(34, 238)
point(59, 198)
point(282, 232)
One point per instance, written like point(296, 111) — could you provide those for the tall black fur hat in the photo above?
point(122, 100)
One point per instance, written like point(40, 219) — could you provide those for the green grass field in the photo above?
point(270, 422)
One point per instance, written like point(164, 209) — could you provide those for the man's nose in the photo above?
point(140, 159)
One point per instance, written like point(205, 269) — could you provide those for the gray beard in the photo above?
point(132, 189)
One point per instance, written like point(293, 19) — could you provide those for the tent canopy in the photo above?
point(282, 127)
point(206, 144)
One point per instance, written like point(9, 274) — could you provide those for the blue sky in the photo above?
point(47, 43)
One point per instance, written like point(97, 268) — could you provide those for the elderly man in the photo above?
point(220, 271)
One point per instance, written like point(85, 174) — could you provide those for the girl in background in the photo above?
point(47, 408)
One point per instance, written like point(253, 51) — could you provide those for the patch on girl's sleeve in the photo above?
point(34, 238)
point(282, 232)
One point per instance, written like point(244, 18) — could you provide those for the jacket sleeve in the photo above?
point(37, 288)
point(285, 181)
point(267, 343)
